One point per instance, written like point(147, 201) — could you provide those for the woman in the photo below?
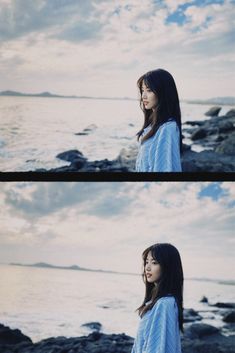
point(160, 139)
point(162, 309)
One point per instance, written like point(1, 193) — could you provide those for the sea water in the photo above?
point(44, 302)
point(34, 130)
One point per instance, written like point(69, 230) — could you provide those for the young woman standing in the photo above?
point(162, 309)
point(160, 138)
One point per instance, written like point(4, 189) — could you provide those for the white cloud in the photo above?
point(113, 221)
point(53, 48)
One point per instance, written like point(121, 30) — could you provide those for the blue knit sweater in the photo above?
point(158, 330)
point(161, 152)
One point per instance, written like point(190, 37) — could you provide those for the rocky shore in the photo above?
point(216, 136)
point(198, 337)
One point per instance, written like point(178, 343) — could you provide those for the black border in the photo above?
point(113, 176)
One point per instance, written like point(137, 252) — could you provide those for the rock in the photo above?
point(207, 161)
point(71, 155)
point(95, 326)
point(224, 305)
point(96, 342)
point(229, 317)
point(200, 330)
point(227, 146)
point(220, 138)
point(204, 300)
point(78, 163)
point(185, 147)
point(191, 315)
point(226, 126)
point(87, 130)
point(90, 127)
point(127, 157)
point(214, 111)
point(11, 336)
point(230, 113)
point(81, 133)
point(215, 343)
point(199, 133)
point(194, 123)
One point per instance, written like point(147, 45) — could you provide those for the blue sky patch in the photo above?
point(212, 190)
point(180, 18)
point(176, 17)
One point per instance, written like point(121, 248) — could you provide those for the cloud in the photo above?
point(37, 200)
point(20, 17)
point(76, 46)
point(101, 223)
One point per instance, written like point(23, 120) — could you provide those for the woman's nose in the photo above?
point(147, 268)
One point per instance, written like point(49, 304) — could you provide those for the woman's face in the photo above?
point(152, 269)
point(148, 97)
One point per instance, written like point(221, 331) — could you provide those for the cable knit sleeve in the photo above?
point(164, 154)
point(163, 330)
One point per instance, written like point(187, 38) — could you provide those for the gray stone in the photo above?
point(214, 111)
point(229, 317)
point(199, 133)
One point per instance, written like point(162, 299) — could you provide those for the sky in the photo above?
point(107, 225)
point(101, 47)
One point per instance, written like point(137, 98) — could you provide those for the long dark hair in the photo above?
point(162, 83)
point(171, 278)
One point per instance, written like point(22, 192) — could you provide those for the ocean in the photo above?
point(44, 302)
point(34, 130)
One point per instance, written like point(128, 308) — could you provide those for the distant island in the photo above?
point(217, 100)
point(73, 267)
point(78, 268)
point(52, 95)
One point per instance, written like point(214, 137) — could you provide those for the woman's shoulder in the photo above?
point(166, 302)
point(169, 125)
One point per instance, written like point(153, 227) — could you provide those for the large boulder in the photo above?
point(230, 113)
point(198, 134)
point(207, 161)
point(12, 336)
point(70, 155)
point(215, 343)
point(225, 126)
point(227, 146)
point(229, 317)
point(214, 111)
point(200, 330)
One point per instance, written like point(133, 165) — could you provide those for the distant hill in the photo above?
point(73, 267)
point(217, 100)
point(52, 95)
